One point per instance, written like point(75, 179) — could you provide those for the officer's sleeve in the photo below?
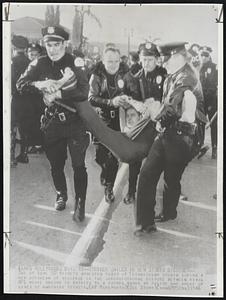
point(31, 74)
point(95, 91)
point(77, 91)
point(172, 110)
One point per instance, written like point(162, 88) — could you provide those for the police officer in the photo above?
point(140, 84)
point(182, 113)
point(57, 77)
point(209, 77)
point(18, 104)
point(34, 51)
point(106, 88)
point(194, 56)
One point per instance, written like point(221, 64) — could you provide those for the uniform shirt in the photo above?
point(44, 68)
point(103, 87)
point(141, 87)
point(208, 78)
point(173, 92)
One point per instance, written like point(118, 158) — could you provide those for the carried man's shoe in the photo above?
point(129, 198)
point(145, 230)
point(61, 200)
point(79, 211)
point(108, 192)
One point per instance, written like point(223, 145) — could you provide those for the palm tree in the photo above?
point(78, 38)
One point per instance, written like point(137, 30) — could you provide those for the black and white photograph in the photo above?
point(113, 148)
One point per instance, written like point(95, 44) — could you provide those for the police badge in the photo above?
point(159, 79)
point(208, 70)
point(148, 45)
point(120, 83)
point(50, 30)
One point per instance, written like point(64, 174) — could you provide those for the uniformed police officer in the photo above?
point(182, 113)
point(57, 77)
point(106, 88)
point(194, 56)
point(142, 84)
point(18, 104)
point(209, 79)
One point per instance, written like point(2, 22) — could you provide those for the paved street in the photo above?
point(42, 236)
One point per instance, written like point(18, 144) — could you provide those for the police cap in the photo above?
point(169, 49)
point(35, 47)
point(195, 47)
point(54, 33)
point(20, 41)
point(205, 51)
point(148, 49)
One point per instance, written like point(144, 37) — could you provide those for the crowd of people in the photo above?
point(161, 96)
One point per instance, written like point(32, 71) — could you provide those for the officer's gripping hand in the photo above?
point(49, 98)
point(120, 101)
point(48, 86)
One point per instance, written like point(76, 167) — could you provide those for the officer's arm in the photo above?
point(94, 93)
point(171, 112)
point(26, 82)
point(188, 107)
point(78, 89)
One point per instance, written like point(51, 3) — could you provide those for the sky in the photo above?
point(192, 23)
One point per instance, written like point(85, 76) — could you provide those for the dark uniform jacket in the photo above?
point(141, 87)
point(44, 68)
point(103, 87)
point(19, 103)
point(208, 78)
point(173, 92)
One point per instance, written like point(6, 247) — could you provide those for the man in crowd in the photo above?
point(106, 88)
point(19, 104)
point(134, 62)
point(179, 122)
point(209, 81)
point(56, 76)
point(141, 84)
point(34, 51)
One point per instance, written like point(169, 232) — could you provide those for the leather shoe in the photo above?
point(164, 218)
point(145, 230)
point(129, 198)
point(79, 211)
point(61, 200)
point(109, 195)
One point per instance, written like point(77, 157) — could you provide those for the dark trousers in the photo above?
point(134, 170)
point(213, 127)
point(57, 138)
point(108, 162)
point(170, 153)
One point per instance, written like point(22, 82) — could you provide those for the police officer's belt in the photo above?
point(185, 128)
point(62, 116)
